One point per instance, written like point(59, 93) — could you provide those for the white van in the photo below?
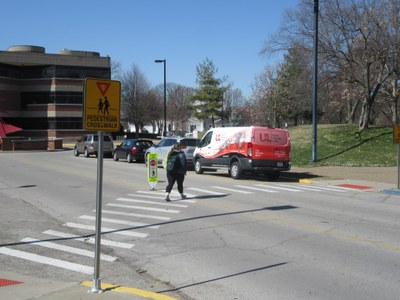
point(244, 149)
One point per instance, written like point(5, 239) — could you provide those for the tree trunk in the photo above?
point(364, 117)
point(351, 111)
point(366, 108)
point(137, 128)
point(394, 111)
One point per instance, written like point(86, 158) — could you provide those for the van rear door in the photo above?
point(271, 144)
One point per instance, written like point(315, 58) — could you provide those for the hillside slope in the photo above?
point(340, 145)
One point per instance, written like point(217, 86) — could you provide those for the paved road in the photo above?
point(231, 239)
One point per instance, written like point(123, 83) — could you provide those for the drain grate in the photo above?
point(5, 282)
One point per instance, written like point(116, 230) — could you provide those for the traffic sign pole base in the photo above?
point(96, 288)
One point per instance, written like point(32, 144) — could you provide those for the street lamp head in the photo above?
point(159, 60)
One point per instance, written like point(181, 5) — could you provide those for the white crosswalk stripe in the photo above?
point(206, 191)
point(139, 215)
point(256, 189)
point(127, 214)
point(107, 230)
point(164, 210)
point(151, 202)
point(289, 189)
point(162, 197)
point(232, 190)
point(121, 222)
point(89, 240)
point(169, 211)
point(323, 188)
point(303, 187)
point(47, 260)
point(68, 249)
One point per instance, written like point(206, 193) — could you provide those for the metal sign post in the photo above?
point(96, 288)
point(396, 140)
point(101, 112)
point(398, 166)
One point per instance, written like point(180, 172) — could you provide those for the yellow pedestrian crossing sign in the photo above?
point(102, 105)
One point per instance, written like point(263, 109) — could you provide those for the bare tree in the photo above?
point(353, 41)
point(157, 120)
point(263, 98)
point(179, 113)
point(358, 50)
point(138, 100)
point(116, 70)
point(391, 88)
point(233, 100)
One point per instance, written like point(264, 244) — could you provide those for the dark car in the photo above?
point(132, 150)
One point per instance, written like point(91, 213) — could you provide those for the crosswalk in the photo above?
point(127, 220)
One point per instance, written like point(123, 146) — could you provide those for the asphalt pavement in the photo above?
point(23, 286)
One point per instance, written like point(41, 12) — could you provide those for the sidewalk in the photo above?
point(13, 286)
point(386, 175)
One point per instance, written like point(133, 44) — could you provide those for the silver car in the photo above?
point(189, 144)
point(88, 144)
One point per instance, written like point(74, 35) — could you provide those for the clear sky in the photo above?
point(184, 32)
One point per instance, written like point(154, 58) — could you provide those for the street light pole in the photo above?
point(315, 85)
point(165, 93)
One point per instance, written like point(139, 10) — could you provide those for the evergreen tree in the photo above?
point(207, 100)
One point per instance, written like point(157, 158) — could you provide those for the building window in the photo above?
point(29, 98)
point(47, 123)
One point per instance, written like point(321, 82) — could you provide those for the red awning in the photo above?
point(6, 128)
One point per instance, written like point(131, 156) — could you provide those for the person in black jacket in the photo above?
point(176, 170)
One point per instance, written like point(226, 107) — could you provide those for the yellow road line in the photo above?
point(128, 290)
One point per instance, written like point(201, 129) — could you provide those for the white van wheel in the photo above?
point(235, 170)
point(197, 167)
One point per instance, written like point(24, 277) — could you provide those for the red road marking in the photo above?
point(5, 282)
point(355, 186)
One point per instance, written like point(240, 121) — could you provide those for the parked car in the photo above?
point(132, 150)
point(189, 144)
point(88, 145)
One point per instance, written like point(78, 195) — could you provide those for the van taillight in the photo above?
point(250, 150)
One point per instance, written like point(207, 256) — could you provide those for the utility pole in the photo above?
point(315, 85)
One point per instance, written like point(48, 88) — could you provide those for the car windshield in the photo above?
point(129, 143)
point(166, 143)
point(189, 142)
point(144, 143)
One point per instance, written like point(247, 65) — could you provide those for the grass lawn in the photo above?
point(339, 145)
